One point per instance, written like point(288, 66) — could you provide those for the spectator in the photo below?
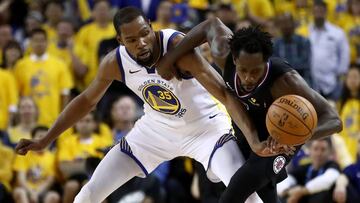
point(227, 14)
point(35, 174)
point(32, 21)
point(5, 37)
point(259, 11)
point(12, 52)
point(149, 7)
point(54, 12)
point(45, 78)
point(82, 144)
point(73, 54)
point(292, 47)
point(26, 120)
point(90, 36)
point(347, 187)
point(163, 17)
point(123, 116)
point(330, 53)
point(8, 98)
point(312, 183)
point(6, 173)
point(350, 110)
point(349, 22)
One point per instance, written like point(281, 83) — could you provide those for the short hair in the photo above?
point(251, 40)
point(37, 129)
point(99, 1)
point(126, 15)
point(38, 31)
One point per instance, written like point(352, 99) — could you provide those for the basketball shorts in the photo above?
point(150, 143)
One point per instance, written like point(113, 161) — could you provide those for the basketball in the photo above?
point(291, 120)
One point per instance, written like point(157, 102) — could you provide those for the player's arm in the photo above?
point(212, 31)
point(199, 68)
point(78, 107)
point(328, 119)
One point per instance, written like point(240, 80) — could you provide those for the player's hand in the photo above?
point(166, 69)
point(274, 146)
point(262, 149)
point(26, 145)
point(339, 195)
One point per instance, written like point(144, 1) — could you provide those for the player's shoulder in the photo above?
point(109, 68)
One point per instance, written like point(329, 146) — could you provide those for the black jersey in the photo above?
point(258, 101)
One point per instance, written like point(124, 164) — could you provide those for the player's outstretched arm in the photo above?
point(212, 31)
point(328, 119)
point(78, 107)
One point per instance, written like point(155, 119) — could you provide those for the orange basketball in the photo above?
point(291, 119)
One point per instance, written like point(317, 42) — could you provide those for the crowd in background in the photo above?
point(50, 51)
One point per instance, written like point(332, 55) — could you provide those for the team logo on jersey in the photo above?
point(161, 99)
point(253, 101)
point(279, 163)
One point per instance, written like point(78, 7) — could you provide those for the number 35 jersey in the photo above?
point(171, 103)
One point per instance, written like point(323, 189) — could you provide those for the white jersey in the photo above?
point(173, 103)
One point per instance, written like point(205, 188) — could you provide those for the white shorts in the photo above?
point(149, 143)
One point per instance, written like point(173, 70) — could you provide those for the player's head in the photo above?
point(38, 41)
point(320, 151)
point(251, 49)
point(135, 33)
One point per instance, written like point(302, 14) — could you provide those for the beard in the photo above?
point(146, 62)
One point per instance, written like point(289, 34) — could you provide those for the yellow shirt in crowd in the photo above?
point(74, 148)
point(65, 55)
point(351, 26)
point(6, 162)
point(16, 133)
point(350, 116)
point(44, 79)
point(37, 166)
point(8, 96)
point(90, 37)
point(104, 132)
point(51, 33)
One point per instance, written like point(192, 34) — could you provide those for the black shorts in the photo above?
point(258, 174)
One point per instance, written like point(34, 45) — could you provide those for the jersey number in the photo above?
point(164, 95)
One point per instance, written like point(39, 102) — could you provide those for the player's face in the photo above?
point(250, 68)
point(139, 39)
point(319, 152)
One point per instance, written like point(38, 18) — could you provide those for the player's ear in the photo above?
point(118, 38)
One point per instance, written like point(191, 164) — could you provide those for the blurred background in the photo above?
point(50, 51)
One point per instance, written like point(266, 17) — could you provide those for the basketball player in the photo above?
point(257, 80)
point(181, 118)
